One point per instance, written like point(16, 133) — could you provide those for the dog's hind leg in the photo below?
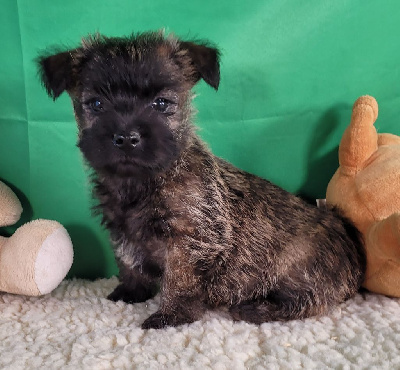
point(272, 309)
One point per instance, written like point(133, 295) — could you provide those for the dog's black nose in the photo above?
point(124, 141)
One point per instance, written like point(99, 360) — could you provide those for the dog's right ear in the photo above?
point(56, 72)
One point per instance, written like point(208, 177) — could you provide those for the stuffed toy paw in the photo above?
point(37, 257)
point(366, 187)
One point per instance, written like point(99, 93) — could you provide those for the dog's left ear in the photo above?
point(56, 72)
point(205, 60)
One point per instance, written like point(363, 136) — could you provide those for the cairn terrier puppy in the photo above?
point(211, 235)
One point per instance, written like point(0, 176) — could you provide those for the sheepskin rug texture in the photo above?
point(76, 327)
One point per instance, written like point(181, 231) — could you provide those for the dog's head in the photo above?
point(131, 97)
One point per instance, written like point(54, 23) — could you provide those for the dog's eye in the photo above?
point(96, 105)
point(161, 105)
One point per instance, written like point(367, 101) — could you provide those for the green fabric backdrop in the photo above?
point(290, 72)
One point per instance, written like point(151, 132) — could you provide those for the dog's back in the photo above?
point(261, 250)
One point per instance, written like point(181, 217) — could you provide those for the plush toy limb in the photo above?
point(360, 139)
point(383, 254)
point(383, 237)
point(35, 259)
point(10, 206)
point(385, 280)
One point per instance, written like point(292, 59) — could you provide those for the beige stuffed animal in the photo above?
point(37, 257)
point(366, 187)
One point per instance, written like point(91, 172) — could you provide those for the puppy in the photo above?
point(211, 235)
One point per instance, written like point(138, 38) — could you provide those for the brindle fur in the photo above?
point(210, 234)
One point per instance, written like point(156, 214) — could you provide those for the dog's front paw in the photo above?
point(158, 321)
point(139, 294)
point(161, 319)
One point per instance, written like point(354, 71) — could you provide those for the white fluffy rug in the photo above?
point(75, 327)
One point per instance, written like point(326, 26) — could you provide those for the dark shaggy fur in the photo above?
point(210, 234)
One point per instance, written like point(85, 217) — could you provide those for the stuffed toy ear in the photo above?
point(56, 72)
point(360, 139)
point(205, 60)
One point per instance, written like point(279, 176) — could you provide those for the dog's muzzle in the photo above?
point(124, 141)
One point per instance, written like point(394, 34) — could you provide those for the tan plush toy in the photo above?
point(366, 187)
point(37, 257)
